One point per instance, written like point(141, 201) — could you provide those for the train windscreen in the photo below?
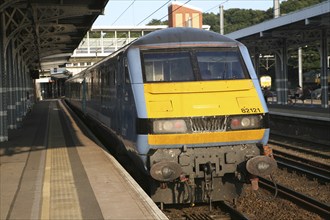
point(192, 65)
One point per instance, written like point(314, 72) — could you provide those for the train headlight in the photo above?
point(261, 165)
point(169, 126)
point(245, 122)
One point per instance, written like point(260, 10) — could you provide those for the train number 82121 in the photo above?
point(250, 110)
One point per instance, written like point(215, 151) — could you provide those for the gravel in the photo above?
point(262, 205)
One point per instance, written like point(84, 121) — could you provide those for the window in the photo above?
point(168, 66)
point(191, 64)
point(220, 64)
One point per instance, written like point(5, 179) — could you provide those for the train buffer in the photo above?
point(52, 169)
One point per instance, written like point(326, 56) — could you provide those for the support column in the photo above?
point(25, 90)
point(11, 107)
point(27, 87)
point(18, 91)
point(278, 79)
point(285, 74)
point(3, 83)
point(324, 69)
point(281, 75)
point(300, 69)
point(22, 86)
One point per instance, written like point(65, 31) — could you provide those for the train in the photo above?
point(187, 108)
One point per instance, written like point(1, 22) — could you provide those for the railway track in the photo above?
point(305, 159)
point(302, 200)
point(220, 211)
point(234, 213)
point(310, 163)
point(311, 149)
point(311, 168)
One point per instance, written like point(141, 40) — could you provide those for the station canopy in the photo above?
point(46, 32)
point(296, 29)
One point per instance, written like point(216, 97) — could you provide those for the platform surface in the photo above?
point(307, 111)
point(53, 168)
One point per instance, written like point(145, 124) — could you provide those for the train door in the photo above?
point(120, 96)
point(83, 98)
point(124, 91)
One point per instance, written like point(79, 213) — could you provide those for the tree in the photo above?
point(294, 5)
point(236, 19)
point(157, 22)
point(240, 18)
point(212, 20)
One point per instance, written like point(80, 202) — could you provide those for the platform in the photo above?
point(306, 111)
point(53, 168)
point(304, 122)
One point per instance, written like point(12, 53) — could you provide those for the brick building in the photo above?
point(180, 15)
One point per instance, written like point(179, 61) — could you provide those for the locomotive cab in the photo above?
point(205, 120)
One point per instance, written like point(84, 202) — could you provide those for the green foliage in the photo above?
point(122, 34)
point(135, 34)
point(310, 56)
point(157, 22)
point(212, 20)
point(236, 19)
point(109, 35)
point(94, 34)
point(294, 5)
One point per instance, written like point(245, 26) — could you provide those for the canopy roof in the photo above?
point(46, 32)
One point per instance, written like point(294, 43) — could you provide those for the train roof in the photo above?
point(182, 34)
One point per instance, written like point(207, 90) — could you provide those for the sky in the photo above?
point(141, 12)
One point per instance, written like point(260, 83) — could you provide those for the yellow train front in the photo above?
point(186, 105)
point(202, 120)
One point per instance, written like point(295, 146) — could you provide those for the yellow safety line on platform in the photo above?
point(60, 197)
point(46, 182)
point(46, 187)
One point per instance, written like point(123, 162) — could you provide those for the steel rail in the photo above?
point(300, 149)
point(302, 200)
point(234, 213)
point(320, 172)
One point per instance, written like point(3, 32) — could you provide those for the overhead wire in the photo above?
point(169, 13)
point(123, 12)
point(154, 12)
point(223, 4)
